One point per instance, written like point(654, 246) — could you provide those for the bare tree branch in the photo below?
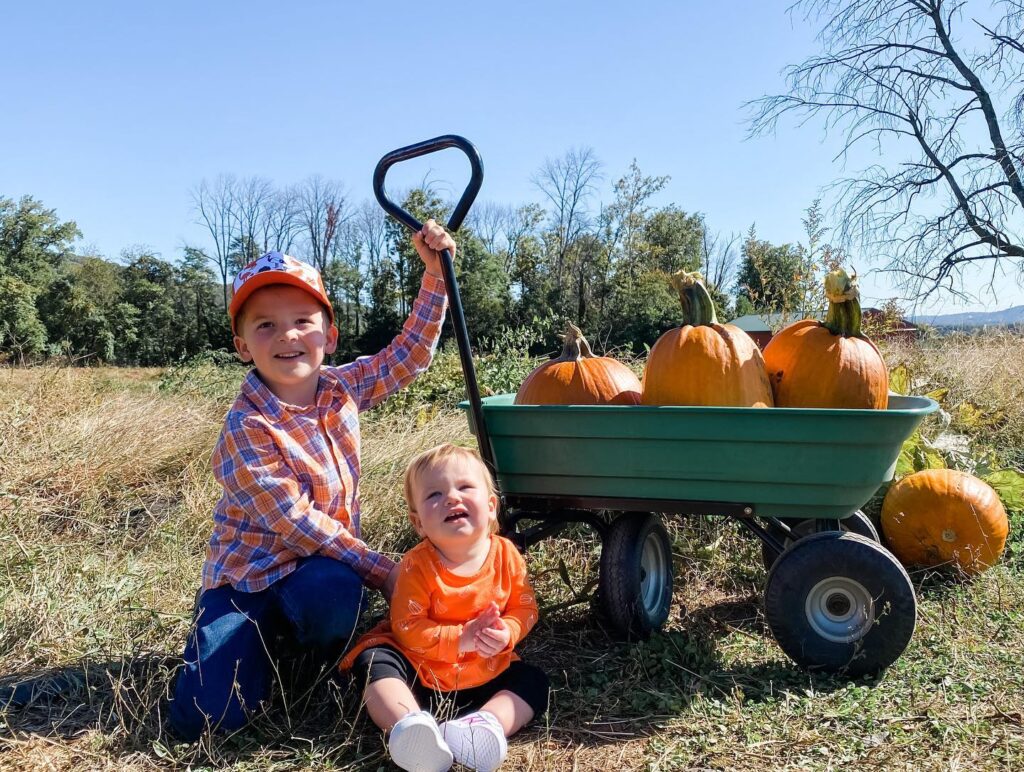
point(896, 74)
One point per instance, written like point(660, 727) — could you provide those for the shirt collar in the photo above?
point(267, 402)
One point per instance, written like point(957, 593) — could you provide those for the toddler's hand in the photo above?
point(485, 619)
point(493, 639)
point(429, 242)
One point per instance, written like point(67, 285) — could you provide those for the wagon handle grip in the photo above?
point(447, 264)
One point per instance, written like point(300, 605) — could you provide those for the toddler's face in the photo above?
point(454, 506)
point(285, 333)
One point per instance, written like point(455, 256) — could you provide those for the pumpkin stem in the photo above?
point(844, 315)
point(698, 307)
point(576, 346)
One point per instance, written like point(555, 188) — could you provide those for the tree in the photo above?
point(718, 266)
point(204, 323)
point(641, 304)
point(768, 276)
point(483, 286)
point(150, 287)
point(627, 216)
point(672, 240)
point(253, 197)
point(215, 204)
point(22, 335)
point(944, 111)
point(321, 209)
point(82, 312)
point(33, 241)
point(568, 183)
point(423, 204)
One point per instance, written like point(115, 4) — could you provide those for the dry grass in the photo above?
point(983, 375)
point(105, 499)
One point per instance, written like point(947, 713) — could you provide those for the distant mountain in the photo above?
point(1008, 316)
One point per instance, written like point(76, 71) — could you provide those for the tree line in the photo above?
point(602, 264)
point(935, 89)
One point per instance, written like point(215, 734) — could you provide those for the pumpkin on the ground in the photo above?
point(828, 364)
point(943, 517)
point(704, 362)
point(578, 377)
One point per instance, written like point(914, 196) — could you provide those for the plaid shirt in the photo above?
point(291, 474)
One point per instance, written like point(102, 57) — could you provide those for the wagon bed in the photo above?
point(769, 462)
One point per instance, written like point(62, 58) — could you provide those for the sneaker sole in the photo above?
point(483, 750)
point(417, 750)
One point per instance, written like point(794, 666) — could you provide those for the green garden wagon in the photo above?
point(835, 599)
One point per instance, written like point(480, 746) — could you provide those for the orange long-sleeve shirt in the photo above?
point(430, 605)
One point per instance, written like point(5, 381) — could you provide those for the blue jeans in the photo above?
point(230, 652)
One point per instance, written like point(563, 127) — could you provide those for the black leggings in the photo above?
point(525, 681)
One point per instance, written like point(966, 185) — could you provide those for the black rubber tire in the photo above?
point(857, 523)
point(840, 603)
point(635, 584)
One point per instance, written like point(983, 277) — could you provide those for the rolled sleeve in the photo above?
point(374, 378)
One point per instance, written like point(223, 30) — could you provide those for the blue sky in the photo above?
point(116, 110)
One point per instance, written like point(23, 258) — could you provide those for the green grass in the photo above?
point(105, 500)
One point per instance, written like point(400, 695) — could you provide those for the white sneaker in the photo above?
point(477, 740)
point(416, 744)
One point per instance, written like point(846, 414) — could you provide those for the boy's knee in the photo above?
point(328, 631)
point(323, 600)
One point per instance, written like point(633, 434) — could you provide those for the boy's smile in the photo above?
point(284, 332)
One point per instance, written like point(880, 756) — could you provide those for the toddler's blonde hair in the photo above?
point(438, 455)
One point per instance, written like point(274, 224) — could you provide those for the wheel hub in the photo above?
point(840, 609)
point(654, 568)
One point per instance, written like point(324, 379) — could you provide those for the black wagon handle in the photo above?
point(447, 265)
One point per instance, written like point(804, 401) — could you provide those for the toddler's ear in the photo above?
point(416, 524)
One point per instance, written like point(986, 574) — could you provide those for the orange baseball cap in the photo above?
point(276, 268)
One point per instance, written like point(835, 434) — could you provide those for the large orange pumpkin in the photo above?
point(945, 517)
point(704, 362)
point(578, 377)
point(830, 363)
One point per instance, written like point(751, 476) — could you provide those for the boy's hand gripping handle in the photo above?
point(447, 266)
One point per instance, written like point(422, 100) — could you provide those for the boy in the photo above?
point(285, 558)
point(461, 605)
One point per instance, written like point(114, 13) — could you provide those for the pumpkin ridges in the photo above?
point(944, 516)
point(828, 364)
point(703, 362)
point(579, 377)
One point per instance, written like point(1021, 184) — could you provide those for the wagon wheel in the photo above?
point(635, 587)
point(857, 523)
point(840, 603)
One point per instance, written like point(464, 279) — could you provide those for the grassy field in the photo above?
point(105, 502)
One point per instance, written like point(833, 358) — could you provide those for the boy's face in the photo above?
point(284, 331)
point(454, 507)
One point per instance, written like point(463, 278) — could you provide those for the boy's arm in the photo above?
point(249, 467)
point(410, 618)
point(521, 612)
point(374, 378)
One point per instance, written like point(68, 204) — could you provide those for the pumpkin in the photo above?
point(944, 517)
point(578, 377)
point(830, 363)
point(704, 362)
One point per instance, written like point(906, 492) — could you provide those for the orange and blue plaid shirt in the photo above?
point(290, 475)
